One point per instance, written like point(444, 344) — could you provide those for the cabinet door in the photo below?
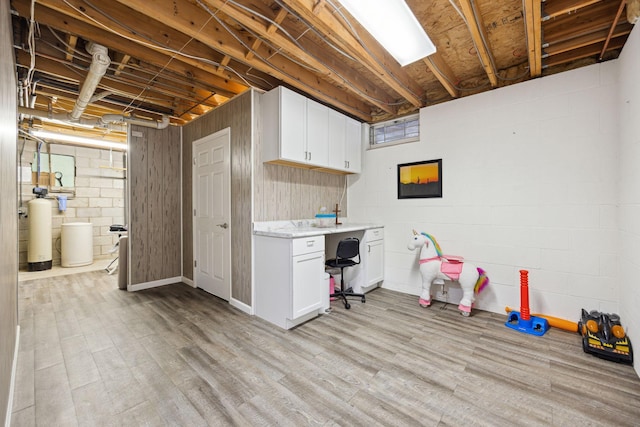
point(353, 144)
point(317, 152)
point(307, 283)
point(293, 129)
point(375, 262)
point(337, 140)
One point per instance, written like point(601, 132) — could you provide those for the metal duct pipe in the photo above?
point(99, 65)
point(109, 118)
point(108, 121)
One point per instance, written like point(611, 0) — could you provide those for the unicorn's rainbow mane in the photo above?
point(436, 245)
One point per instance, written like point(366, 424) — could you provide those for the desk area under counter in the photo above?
point(289, 267)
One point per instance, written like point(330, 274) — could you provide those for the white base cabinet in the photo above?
point(289, 279)
point(374, 253)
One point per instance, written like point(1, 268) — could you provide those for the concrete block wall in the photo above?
point(529, 182)
point(629, 193)
point(98, 197)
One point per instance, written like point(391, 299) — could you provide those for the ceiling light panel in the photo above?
point(394, 26)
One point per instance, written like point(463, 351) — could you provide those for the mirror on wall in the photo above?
point(56, 170)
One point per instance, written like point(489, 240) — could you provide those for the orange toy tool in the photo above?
point(556, 322)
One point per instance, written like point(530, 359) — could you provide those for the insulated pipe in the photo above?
point(98, 68)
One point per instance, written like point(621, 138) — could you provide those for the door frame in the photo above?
point(194, 188)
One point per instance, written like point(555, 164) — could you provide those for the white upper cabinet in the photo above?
point(317, 133)
point(300, 131)
point(353, 145)
point(337, 140)
point(292, 125)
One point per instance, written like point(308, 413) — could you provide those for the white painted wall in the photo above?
point(629, 187)
point(530, 182)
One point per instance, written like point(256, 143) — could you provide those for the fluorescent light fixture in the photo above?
point(79, 140)
point(394, 26)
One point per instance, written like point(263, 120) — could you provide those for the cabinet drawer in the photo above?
point(374, 234)
point(305, 245)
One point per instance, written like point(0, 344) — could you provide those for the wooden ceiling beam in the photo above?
point(122, 64)
point(613, 27)
point(532, 13)
point(120, 86)
point(71, 46)
point(556, 8)
point(586, 40)
point(97, 109)
point(270, 30)
point(335, 72)
point(57, 17)
point(190, 20)
point(583, 52)
point(367, 50)
point(589, 20)
point(443, 73)
point(476, 28)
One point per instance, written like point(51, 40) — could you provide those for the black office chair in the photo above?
point(348, 249)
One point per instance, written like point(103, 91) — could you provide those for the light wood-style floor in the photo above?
point(93, 355)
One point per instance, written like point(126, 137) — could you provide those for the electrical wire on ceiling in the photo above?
point(129, 109)
point(157, 46)
point(295, 40)
point(315, 31)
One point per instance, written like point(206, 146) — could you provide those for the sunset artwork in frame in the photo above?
point(420, 180)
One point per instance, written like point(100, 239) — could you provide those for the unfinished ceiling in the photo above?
point(181, 58)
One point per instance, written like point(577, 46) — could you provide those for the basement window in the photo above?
point(392, 132)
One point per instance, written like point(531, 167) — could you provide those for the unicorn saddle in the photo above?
point(450, 265)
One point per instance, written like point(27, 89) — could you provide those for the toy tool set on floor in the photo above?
point(603, 336)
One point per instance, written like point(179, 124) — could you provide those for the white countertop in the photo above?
point(305, 228)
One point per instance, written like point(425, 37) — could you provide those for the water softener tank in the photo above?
point(39, 245)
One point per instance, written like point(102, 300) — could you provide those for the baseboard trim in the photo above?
point(14, 368)
point(154, 284)
point(188, 281)
point(241, 306)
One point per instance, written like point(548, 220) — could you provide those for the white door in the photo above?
point(212, 214)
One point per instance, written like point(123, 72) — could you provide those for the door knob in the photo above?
point(225, 225)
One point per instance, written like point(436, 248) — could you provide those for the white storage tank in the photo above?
point(76, 244)
point(39, 244)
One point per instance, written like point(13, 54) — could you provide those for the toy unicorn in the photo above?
point(436, 267)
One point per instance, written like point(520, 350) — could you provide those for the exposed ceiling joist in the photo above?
point(443, 73)
point(586, 40)
point(477, 28)
point(181, 58)
point(558, 8)
point(191, 21)
point(532, 13)
point(360, 45)
point(613, 27)
point(583, 52)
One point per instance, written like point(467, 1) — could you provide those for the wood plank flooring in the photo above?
point(93, 355)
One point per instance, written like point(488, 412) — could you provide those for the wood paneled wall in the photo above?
point(8, 209)
point(154, 223)
point(237, 115)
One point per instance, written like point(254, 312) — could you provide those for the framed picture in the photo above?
point(420, 180)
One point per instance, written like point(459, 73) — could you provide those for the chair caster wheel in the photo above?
point(347, 306)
